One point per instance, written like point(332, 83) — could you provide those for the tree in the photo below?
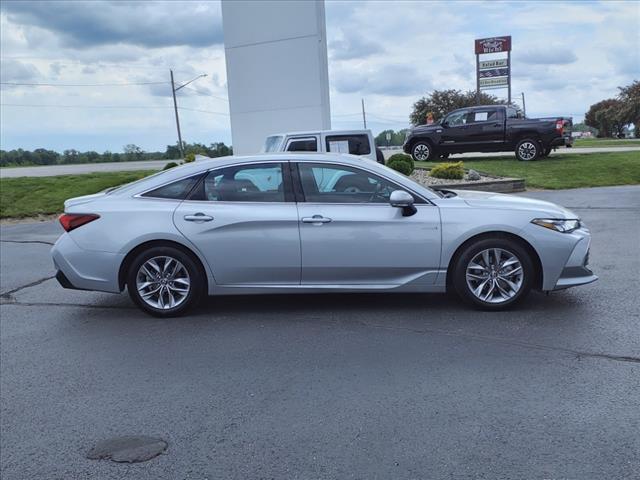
point(397, 138)
point(629, 111)
point(132, 152)
point(598, 119)
point(441, 102)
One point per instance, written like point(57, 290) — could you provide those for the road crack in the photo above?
point(43, 242)
point(506, 341)
point(9, 295)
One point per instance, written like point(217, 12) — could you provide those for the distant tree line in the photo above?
point(131, 152)
point(397, 138)
point(612, 116)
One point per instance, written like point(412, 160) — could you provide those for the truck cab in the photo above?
point(354, 142)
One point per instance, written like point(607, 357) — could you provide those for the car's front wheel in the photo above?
point(164, 281)
point(493, 273)
point(422, 151)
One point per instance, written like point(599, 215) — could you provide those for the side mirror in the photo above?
point(403, 200)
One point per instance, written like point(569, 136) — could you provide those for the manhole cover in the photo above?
point(131, 449)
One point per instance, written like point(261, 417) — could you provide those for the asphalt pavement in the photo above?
point(393, 386)
point(52, 170)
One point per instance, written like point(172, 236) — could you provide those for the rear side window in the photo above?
point(353, 144)
point(512, 113)
point(243, 183)
point(478, 116)
point(177, 190)
point(303, 145)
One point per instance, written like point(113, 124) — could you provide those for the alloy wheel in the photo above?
point(527, 150)
point(421, 152)
point(495, 275)
point(163, 282)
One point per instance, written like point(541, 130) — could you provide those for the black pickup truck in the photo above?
point(492, 128)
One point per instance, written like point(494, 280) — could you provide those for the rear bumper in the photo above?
point(562, 142)
point(81, 269)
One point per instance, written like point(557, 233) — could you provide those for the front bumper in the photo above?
point(576, 271)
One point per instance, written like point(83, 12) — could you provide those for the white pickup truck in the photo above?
point(355, 142)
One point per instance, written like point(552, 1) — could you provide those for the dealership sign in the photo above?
point(493, 82)
point(494, 73)
point(493, 45)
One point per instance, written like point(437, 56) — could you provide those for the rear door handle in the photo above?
point(316, 220)
point(198, 217)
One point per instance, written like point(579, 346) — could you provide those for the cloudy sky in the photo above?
point(117, 56)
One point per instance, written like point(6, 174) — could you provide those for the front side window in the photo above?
point(177, 190)
point(457, 119)
point(322, 183)
point(353, 144)
point(243, 183)
point(309, 144)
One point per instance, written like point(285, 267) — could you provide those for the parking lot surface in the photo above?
point(329, 386)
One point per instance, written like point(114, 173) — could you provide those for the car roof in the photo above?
point(320, 132)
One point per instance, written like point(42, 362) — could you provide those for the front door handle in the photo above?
point(316, 220)
point(198, 217)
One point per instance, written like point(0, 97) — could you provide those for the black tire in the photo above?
point(196, 277)
point(379, 156)
point(505, 246)
point(422, 151)
point(528, 150)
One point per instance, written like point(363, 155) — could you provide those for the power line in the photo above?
point(81, 106)
point(203, 111)
point(15, 84)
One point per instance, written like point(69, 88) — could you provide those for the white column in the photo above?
point(277, 74)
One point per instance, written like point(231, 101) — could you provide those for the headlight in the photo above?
point(559, 225)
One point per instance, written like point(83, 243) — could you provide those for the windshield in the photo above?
point(272, 143)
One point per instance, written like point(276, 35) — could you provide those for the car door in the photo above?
point(244, 221)
point(454, 135)
point(485, 127)
point(350, 235)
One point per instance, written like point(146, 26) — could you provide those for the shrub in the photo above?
point(404, 158)
point(170, 165)
point(400, 166)
point(190, 157)
point(450, 170)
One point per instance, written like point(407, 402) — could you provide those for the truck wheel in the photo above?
point(422, 151)
point(528, 150)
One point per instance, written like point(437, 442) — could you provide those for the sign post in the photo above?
point(495, 73)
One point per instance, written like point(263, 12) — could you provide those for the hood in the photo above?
point(500, 200)
point(72, 202)
point(426, 128)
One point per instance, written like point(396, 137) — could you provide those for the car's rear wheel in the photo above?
point(165, 281)
point(493, 273)
point(422, 151)
point(528, 150)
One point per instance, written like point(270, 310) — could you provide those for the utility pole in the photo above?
point(364, 117)
point(524, 106)
point(175, 106)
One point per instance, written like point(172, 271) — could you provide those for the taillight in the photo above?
point(560, 126)
point(71, 221)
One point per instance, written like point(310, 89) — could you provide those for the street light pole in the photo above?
point(175, 106)
point(524, 107)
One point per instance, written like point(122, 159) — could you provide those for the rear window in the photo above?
point(353, 144)
point(177, 190)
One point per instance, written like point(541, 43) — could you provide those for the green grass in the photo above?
point(31, 196)
point(563, 171)
point(605, 142)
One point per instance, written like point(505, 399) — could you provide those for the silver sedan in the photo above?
point(312, 223)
